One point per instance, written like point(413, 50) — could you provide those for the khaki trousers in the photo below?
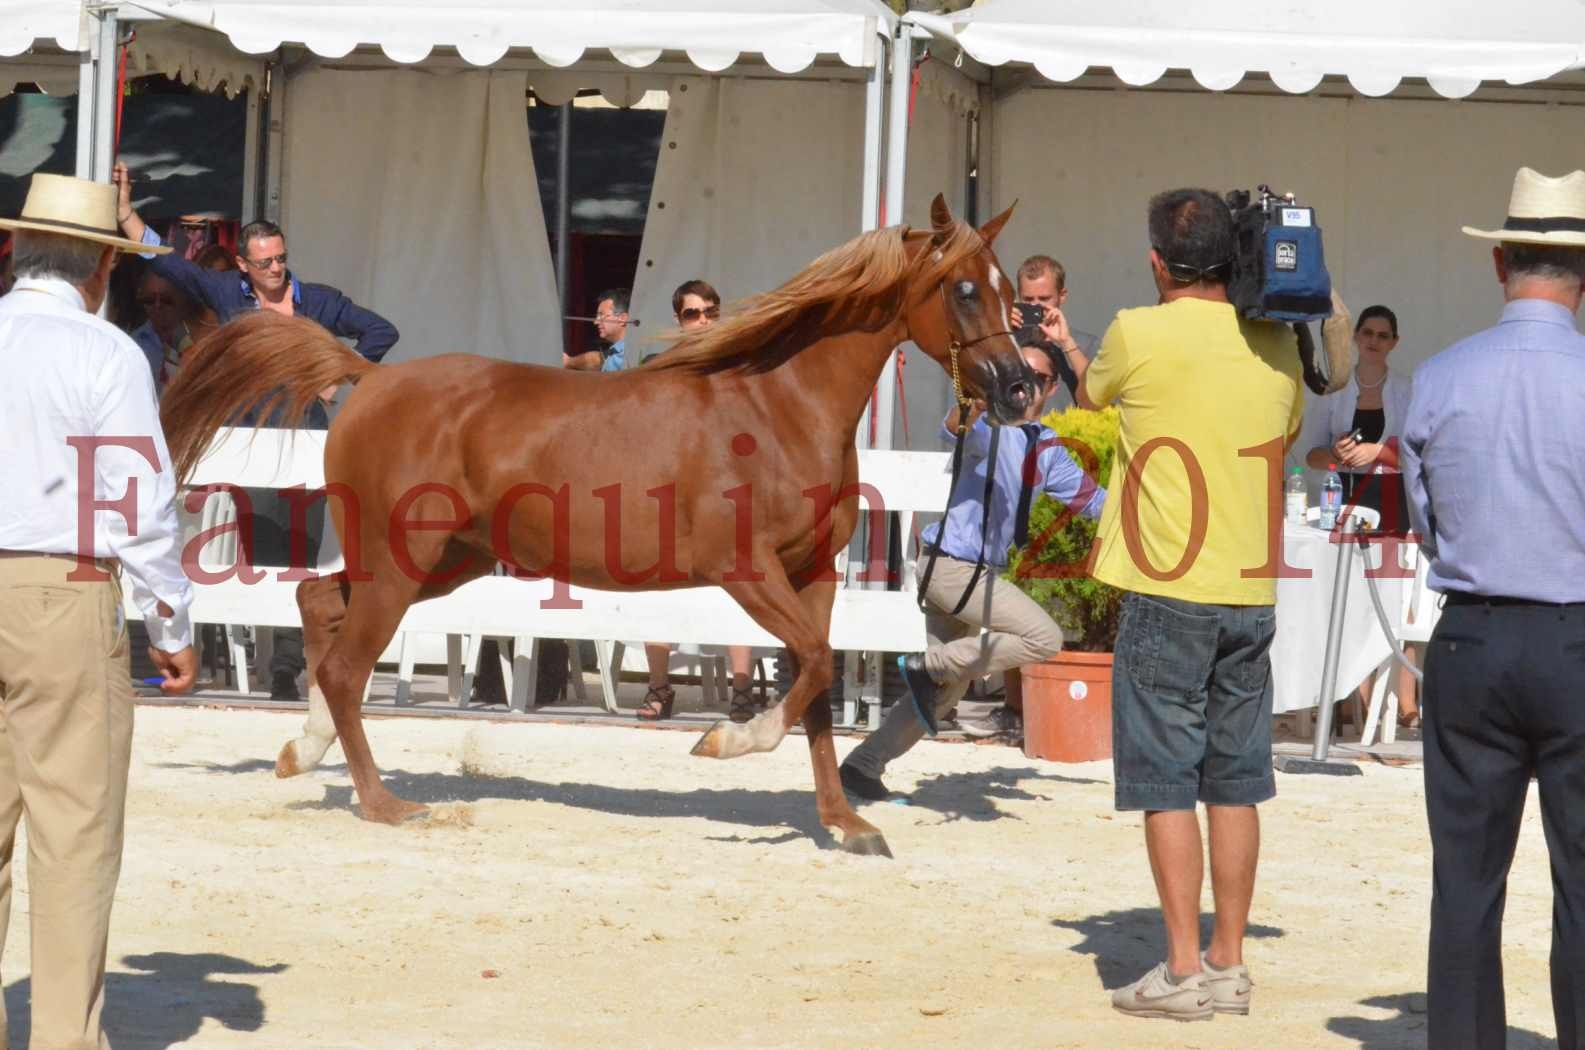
point(1017, 632)
point(65, 746)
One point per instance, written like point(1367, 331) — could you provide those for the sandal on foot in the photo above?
point(657, 704)
point(744, 706)
point(1410, 721)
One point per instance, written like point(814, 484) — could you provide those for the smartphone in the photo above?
point(1356, 435)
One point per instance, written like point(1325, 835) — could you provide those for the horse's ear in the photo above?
point(989, 231)
point(940, 214)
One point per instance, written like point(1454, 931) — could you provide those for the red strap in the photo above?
point(121, 88)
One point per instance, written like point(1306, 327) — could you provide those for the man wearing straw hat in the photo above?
point(1492, 465)
point(89, 492)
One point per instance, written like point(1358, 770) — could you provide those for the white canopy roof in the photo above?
point(790, 34)
point(22, 22)
point(1455, 44)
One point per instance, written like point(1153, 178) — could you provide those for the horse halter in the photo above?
point(955, 346)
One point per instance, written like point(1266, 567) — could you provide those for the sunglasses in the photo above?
point(147, 301)
point(693, 313)
point(266, 262)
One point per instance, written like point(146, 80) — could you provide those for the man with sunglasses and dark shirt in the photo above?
point(264, 283)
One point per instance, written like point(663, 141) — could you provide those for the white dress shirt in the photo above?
point(65, 373)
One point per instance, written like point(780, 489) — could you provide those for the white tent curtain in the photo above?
point(415, 194)
point(938, 162)
point(756, 178)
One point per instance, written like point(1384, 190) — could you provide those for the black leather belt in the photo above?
point(1465, 598)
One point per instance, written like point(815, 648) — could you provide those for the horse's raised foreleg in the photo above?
point(323, 605)
point(774, 605)
point(802, 620)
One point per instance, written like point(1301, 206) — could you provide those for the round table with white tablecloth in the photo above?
point(1305, 605)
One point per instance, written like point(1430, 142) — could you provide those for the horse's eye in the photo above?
point(966, 290)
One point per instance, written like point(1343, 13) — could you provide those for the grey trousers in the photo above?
point(1017, 632)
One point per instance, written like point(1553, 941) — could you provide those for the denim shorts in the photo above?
point(1191, 704)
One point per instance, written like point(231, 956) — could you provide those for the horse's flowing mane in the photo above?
point(859, 284)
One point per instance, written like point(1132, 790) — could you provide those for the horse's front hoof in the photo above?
point(867, 844)
point(286, 763)
point(714, 742)
point(393, 811)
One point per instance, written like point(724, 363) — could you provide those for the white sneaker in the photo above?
point(1230, 988)
point(1154, 995)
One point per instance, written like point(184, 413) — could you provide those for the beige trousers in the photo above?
point(1017, 632)
point(65, 746)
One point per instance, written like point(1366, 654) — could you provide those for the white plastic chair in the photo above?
point(1417, 617)
point(217, 554)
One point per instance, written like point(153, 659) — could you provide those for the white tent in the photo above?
point(55, 24)
point(1392, 178)
point(1454, 45)
point(357, 196)
point(790, 34)
point(25, 22)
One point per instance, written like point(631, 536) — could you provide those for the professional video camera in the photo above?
point(1279, 269)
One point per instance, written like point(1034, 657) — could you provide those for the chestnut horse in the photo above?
point(503, 462)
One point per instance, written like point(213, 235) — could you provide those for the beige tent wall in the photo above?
point(756, 178)
point(414, 193)
point(938, 162)
point(1392, 181)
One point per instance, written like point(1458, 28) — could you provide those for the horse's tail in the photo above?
point(262, 363)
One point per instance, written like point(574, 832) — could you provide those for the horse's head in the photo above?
point(958, 311)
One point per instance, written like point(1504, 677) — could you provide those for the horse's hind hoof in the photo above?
point(395, 811)
point(286, 763)
point(867, 844)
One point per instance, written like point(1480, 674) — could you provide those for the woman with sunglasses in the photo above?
point(696, 305)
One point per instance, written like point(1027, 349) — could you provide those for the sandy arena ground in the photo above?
point(587, 886)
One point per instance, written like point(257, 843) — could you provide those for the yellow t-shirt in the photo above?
point(1195, 384)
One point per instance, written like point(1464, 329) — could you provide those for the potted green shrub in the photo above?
point(1067, 701)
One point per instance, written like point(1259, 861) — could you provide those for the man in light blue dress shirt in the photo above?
point(1493, 459)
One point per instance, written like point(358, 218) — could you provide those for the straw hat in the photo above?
point(76, 208)
point(1542, 210)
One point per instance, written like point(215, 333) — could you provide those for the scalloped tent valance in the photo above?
point(54, 77)
point(1375, 45)
point(790, 34)
point(193, 56)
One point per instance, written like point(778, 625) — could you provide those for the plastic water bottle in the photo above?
point(1331, 497)
point(1296, 499)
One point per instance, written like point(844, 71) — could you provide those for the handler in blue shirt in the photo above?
point(264, 283)
point(1493, 459)
point(1018, 631)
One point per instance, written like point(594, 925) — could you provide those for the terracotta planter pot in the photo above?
point(1068, 707)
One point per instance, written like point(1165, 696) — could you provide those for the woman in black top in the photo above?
point(1372, 406)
